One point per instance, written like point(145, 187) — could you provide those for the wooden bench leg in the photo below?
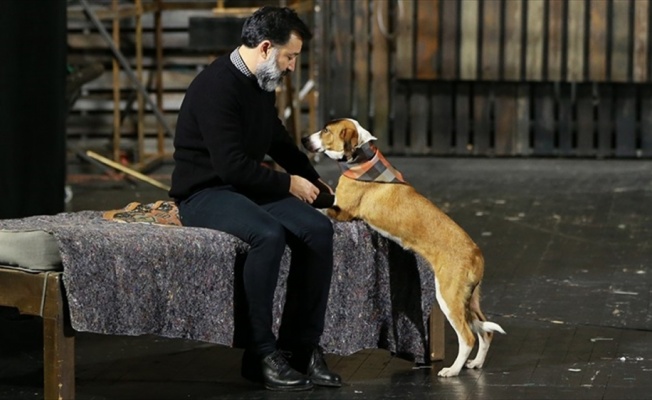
point(436, 334)
point(41, 294)
point(58, 361)
point(58, 348)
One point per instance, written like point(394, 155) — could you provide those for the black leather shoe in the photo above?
point(278, 375)
point(318, 371)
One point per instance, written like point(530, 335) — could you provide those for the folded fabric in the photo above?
point(161, 213)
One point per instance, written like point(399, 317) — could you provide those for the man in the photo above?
point(228, 122)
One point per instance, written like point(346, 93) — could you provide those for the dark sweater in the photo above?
point(226, 126)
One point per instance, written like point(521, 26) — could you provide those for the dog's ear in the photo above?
point(350, 139)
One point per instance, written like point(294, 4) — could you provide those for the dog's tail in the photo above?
point(480, 323)
point(487, 326)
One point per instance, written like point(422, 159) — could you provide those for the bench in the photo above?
point(382, 294)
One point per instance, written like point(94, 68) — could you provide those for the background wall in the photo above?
point(32, 107)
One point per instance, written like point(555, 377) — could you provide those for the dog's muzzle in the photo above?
point(312, 143)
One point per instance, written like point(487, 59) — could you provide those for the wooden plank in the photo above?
point(469, 39)
point(463, 117)
point(449, 39)
point(513, 40)
point(91, 41)
point(482, 118)
point(405, 40)
point(380, 78)
point(99, 104)
point(586, 139)
point(116, 88)
point(361, 109)
point(620, 41)
point(321, 44)
point(491, 31)
point(506, 119)
point(641, 41)
point(598, 40)
point(625, 120)
point(427, 40)
point(175, 80)
point(646, 120)
point(158, 75)
point(556, 20)
point(605, 124)
point(441, 123)
point(544, 119)
point(419, 132)
point(399, 132)
point(575, 44)
point(535, 35)
point(341, 61)
point(100, 124)
point(523, 124)
point(564, 100)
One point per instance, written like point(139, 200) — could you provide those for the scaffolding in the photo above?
point(106, 17)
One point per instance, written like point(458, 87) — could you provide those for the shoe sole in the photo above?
point(288, 388)
point(325, 383)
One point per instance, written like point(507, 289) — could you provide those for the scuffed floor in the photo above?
point(568, 249)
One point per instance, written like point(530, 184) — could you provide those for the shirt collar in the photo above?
point(236, 59)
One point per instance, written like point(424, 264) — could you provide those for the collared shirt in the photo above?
point(236, 59)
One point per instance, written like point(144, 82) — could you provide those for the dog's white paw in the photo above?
point(471, 364)
point(448, 373)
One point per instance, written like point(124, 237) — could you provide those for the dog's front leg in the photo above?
point(339, 214)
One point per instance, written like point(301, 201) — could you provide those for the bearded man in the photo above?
point(227, 124)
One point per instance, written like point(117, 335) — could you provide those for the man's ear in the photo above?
point(265, 46)
point(350, 140)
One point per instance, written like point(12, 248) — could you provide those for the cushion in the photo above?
point(32, 250)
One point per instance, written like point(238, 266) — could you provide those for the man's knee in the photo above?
point(321, 230)
point(272, 235)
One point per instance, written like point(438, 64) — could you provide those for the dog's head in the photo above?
point(339, 139)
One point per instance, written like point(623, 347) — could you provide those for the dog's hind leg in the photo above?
point(484, 341)
point(455, 311)
point(483, 329)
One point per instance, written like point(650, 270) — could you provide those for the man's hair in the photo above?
point(274, 24)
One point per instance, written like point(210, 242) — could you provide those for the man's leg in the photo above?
point(233, 213)
point(228, 211)
point(310, 236)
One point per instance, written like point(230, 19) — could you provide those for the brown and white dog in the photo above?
point(398, 212)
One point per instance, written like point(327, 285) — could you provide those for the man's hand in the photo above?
point(302, 189)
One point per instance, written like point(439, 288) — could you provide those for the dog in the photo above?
point(370, 189)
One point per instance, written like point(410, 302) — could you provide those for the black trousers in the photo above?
point(268, 227)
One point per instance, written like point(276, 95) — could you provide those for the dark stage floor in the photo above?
point(567, 243)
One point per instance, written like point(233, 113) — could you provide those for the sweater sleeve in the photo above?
point(286, 153)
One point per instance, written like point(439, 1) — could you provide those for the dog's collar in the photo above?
point(369, 165)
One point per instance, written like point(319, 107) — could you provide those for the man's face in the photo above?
point(280, 62)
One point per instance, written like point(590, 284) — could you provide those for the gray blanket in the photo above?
point(134, 279)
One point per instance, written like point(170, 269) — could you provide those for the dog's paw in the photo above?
point(472, 364)
point(448, 373)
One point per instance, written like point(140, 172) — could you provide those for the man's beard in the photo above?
point(269, 75)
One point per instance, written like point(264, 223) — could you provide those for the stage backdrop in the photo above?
point(32, 107)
